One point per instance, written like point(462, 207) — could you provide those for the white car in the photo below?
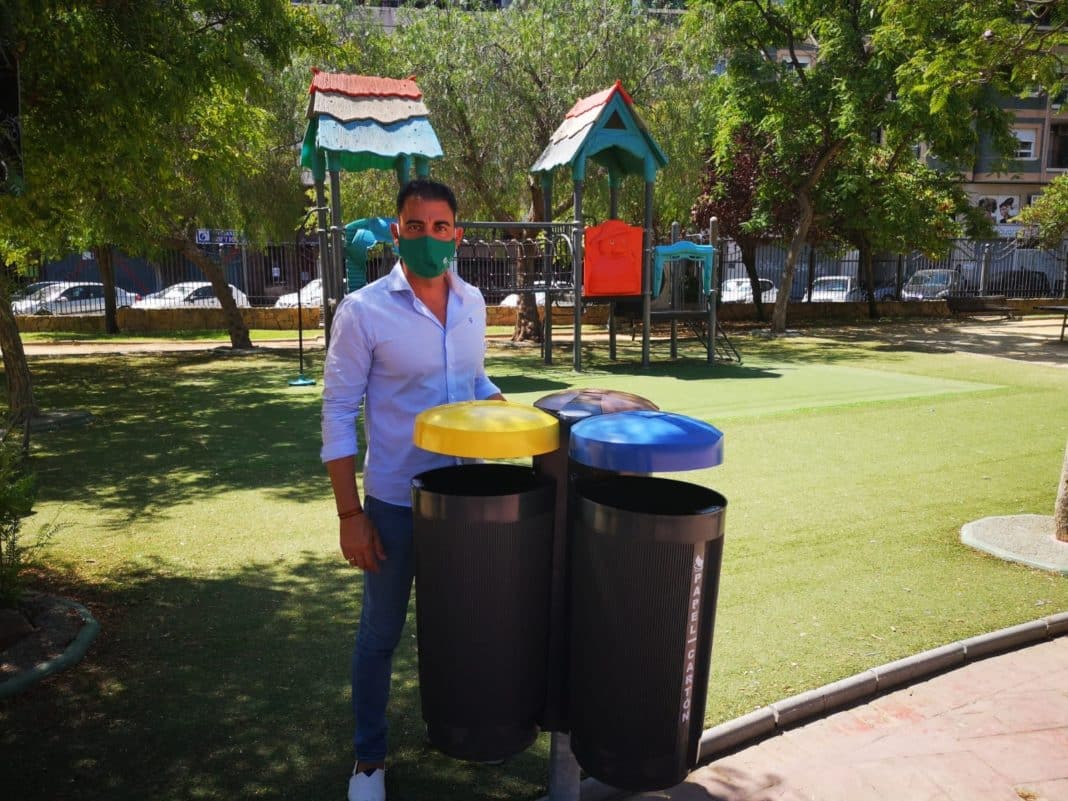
point(831, 289)
point(739, 290)
point(189, 295)
point(559, 298)
point(310, 295)
point(68, 297)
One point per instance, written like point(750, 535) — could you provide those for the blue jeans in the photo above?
point(385, 607)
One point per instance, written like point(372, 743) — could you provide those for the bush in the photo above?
point(17, 495)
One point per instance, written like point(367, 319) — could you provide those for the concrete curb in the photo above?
point(71, 656)
point(783, 715)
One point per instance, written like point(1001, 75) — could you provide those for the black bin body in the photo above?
point(569, 407)
point(483, 553)
point(646, 556)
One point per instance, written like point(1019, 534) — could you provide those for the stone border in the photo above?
point(783, 715)
point(70, 656)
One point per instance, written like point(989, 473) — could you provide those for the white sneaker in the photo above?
point(368, 788)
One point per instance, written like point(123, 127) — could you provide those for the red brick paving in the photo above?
point(991, 730)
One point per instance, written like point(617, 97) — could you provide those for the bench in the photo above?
point(980, 304)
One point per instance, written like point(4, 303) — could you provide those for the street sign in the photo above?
point(203, 236)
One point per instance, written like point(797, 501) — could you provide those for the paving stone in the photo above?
point(992, 729)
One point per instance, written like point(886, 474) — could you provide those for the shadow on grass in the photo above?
point(173, 427)
point(226, 687)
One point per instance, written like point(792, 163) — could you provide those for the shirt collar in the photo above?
point(398, 282)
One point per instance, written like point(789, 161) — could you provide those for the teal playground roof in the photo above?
point(362, 122)
point(603, 127)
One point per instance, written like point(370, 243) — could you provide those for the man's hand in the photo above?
point(360, 544)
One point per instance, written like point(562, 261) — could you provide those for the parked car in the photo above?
point(1020, 284)
point(559, 298)
point(932, 285)
point(831, 289)
point(310, 295)
point(859, 294)
point(31, 289)
point(739, 290)
point(68, 297)
point(189, 294)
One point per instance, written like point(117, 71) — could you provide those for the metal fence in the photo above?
point(506, 259)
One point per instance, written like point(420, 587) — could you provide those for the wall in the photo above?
point(149, 320)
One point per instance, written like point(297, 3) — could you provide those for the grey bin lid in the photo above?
point(646, 442)
point(571, 405)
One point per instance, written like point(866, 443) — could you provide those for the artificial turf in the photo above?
point(197, 523)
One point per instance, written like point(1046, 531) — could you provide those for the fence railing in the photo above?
point(506, 259)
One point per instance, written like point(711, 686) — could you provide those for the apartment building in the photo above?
point(1041, 131)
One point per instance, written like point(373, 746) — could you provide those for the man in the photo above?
point(409, 341)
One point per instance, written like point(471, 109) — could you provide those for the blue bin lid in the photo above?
point(646, 442)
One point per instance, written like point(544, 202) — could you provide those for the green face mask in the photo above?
point(425, 256)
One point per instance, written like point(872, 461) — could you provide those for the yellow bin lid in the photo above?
point(490, 429)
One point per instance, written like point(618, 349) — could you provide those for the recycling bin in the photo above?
point(645, 564)
point(568, 407)
point(483, 554)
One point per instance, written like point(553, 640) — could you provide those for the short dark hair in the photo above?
point(427, 190)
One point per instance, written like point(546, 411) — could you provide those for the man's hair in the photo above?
point(426, 189)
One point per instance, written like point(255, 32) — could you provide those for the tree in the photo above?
point(499, 83)
point(878, 207)
point(1049, 214)
point(834, 81)
point(728, 194)
point(142, 120)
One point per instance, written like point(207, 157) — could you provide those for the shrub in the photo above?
point(17, 495)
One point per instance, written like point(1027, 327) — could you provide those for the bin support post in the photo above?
point(564, 776)
point(577, 274)
point(647, 272)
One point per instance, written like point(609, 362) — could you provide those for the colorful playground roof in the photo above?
point(363, 122)
point(606, 128)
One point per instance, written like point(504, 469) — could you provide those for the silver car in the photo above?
point(189, 294)
point(310, 295)
point(67, 297)
point(739, 290)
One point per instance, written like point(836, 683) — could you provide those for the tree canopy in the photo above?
point(143, 121)
point(845, 91)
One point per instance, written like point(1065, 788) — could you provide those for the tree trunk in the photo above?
point(748, 248)
point(20, 401)
point(797, 241)
point(865, 254)
point(804, 222)
point(528, 326)
point(1060, 508)
point(105, 260)
point(235, 323)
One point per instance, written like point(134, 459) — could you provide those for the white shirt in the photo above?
point(388, 348)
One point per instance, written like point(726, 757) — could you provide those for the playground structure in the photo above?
point(355, 123)
point(614, 262)
point(358, 122)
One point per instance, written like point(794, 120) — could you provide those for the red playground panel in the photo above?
point(612, 265)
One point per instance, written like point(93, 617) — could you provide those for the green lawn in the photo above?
point(197, 524)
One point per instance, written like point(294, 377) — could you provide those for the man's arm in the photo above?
point(358, 537)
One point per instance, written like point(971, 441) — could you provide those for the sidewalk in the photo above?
point(991, 730)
